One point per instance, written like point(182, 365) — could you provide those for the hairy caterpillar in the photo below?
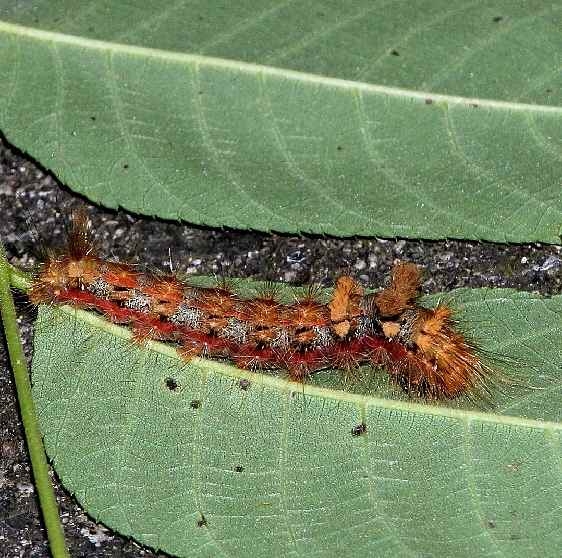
point(421, 348)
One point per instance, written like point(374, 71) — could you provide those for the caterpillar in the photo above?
point(421, 348)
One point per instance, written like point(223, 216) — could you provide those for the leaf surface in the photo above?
point(223, 462)
point(429, 119)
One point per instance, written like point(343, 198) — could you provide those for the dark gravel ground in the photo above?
point(31, 204)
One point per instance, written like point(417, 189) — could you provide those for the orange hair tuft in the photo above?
point(402, 292)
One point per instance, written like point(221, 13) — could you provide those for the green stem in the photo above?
point(18, 279)
point(39, 465)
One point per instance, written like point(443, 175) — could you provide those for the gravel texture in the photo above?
point(33, 209)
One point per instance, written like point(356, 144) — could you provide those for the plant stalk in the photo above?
point(39, 465)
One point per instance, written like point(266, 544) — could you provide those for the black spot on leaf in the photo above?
point(359, 429)
point(171, 384)
point(244, 384)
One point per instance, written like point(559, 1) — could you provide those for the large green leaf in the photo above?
point(432, 118)
point(230, 463)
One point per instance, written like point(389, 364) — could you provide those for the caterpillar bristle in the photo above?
point(226, 284)
point(269, 291)
point(346, 359)
point(312, 293)
point(80, 236)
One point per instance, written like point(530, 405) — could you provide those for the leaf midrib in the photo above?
point(258, 69)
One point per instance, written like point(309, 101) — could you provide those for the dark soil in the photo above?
point(33, 207)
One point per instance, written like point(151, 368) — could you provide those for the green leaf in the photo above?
point(223, 462)
point(429, 119)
